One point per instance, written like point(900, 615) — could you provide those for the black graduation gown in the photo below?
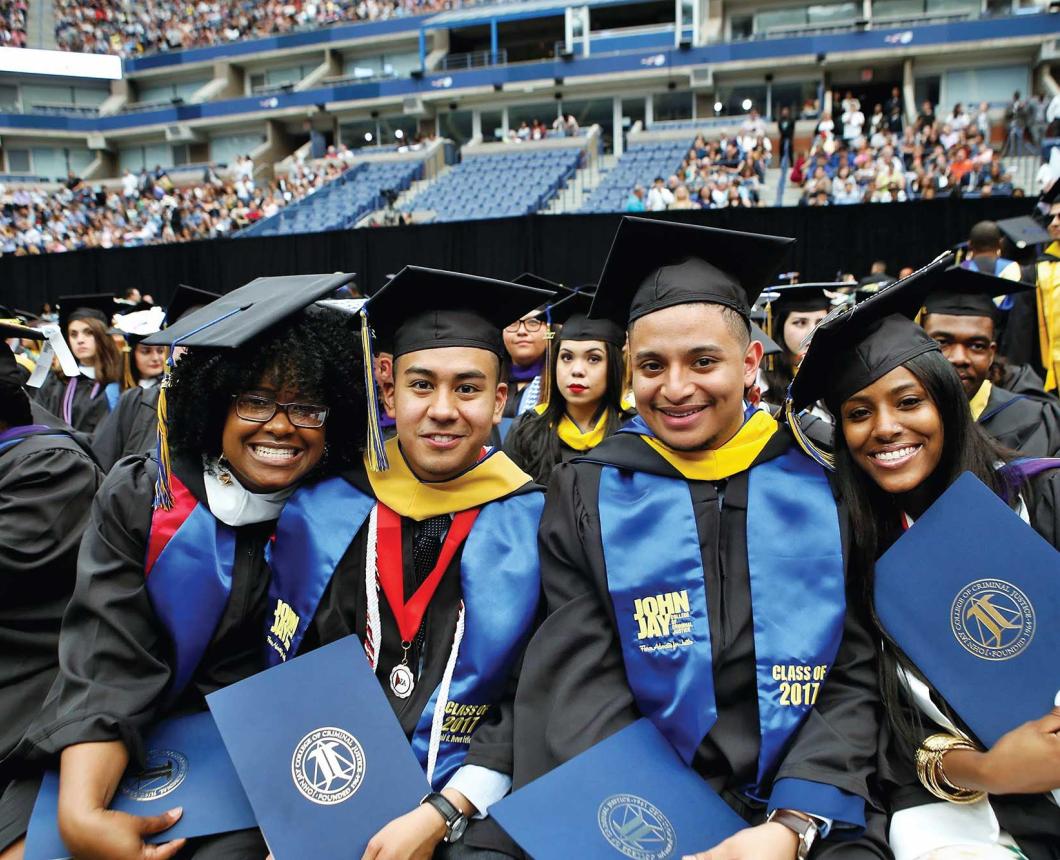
point(1021, 379)
point(1033, 820)
point(110, 612)
point(130, 429)
point(46, 486)
point(344, 610)
point(87, 410)
point(573, 690)
point(1021, 423)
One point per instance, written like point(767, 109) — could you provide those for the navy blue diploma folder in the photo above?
point(187, 765)
point(971, 594)
point(320, 752)
point(629, 796)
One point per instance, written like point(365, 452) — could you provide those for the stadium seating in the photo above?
point(13, 23)
point(343, 202)
point(638, 165)
point(515, 182)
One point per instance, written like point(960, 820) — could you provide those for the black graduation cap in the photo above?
point(236, 317)
point(572, 313)
point(11, 329)
point(965, 292)
point(655, 264)
point(1024, 231)
point(856, 345)
point(99, 306)
point(804, 297)
point(769, 346)
point(185, 299)
point(431, 308)
point(529, 279)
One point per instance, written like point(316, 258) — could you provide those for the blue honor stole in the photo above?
point(500, 581)
point(500, 578)
point(657, 584)
point(188, 570)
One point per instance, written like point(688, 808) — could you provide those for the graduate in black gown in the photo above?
point(961, 315)
point(656, 545)
point(435, 520)
point(47, 481)
point(904, 434)
point(131, 427)
point(584, 401)
point(267, 399)
point(81, 401)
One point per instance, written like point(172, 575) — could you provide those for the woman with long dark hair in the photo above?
point(904, 434)
point(247, 426)
point(584, 404)
point(790, 317)
point(81, 401)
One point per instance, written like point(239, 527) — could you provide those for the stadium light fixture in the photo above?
point(399, 134)
point(717, 107)
point(746, 104)
point(368, 137)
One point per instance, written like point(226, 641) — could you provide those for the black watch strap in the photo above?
point(455, 821)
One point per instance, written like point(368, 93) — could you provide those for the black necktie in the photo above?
point(427, 538)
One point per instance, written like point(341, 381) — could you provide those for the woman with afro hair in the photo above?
point(151, 629)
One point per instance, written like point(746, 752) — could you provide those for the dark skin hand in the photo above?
point(1026, 760)
point(88, 777)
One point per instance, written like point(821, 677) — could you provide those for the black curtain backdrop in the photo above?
point(566, 248)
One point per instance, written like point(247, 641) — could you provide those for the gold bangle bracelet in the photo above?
point(932, 775)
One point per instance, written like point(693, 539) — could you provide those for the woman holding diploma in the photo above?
point(904, 435)
point(173, 594)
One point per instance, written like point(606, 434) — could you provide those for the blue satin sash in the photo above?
point(315, 529)
point(13, 435)
point(500, 578)
point(796, 570)
point(190, 580)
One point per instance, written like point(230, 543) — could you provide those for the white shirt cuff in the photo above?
point(481, 786)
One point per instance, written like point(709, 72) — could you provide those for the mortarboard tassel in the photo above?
point(163, 488)
point(127, 377)
point(769, 331)
point(375, 452)
point(546, 371)
point(809, 448)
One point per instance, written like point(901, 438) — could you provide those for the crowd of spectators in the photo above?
point(150, 208)
point(148, 26)
point(13, 23)
point(726, 173)
point(876, 156)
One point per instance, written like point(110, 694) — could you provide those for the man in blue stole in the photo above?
point(428, 553)
point(694, 570)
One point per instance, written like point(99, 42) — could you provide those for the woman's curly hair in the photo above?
point(317, 352)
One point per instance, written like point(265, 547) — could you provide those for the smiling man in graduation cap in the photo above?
point(694, 569)
point(961, 314)
point(435, 539)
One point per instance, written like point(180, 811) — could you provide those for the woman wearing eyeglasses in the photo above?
point(525, 341)
point(247, 426)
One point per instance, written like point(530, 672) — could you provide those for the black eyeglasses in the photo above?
point(531, 325)
point(257, 408)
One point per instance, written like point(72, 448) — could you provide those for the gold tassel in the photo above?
point(546, 371)
point(375, 450)
point(163, 488)
point(127, 380)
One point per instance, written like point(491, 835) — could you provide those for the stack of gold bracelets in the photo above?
point(931, 774)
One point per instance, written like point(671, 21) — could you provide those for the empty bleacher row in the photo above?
point(509, 183)
point(343, 202)
point(641, 163)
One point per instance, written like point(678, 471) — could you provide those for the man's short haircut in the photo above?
point(984, 236)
